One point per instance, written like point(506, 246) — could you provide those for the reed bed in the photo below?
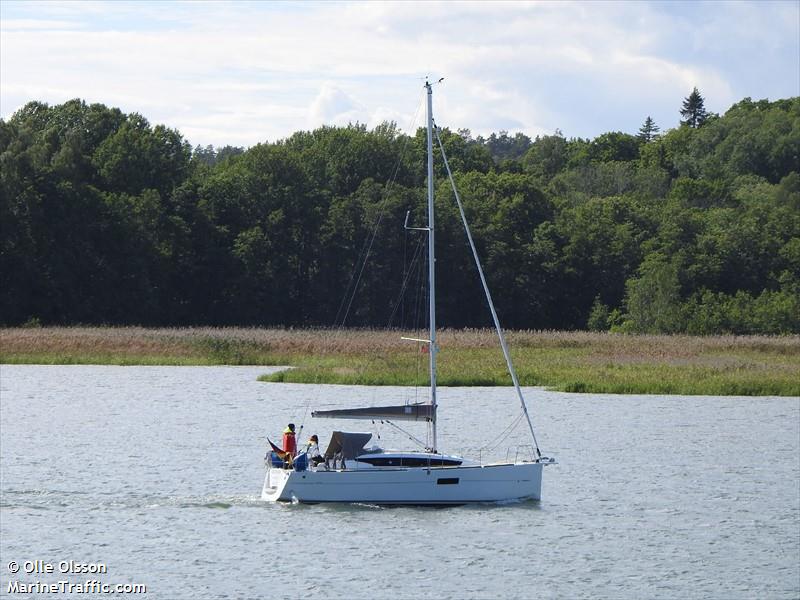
point(569, 361)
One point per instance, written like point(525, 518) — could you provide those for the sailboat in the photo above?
point(355, 473)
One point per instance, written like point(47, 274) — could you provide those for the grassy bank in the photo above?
point(567, 361)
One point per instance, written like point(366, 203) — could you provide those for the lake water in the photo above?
point(156, 473)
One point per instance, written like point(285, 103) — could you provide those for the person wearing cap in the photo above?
point(289, 441)
point(312, 449)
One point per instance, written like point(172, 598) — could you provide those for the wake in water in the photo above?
point(43, 499)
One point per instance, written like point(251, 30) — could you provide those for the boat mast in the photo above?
point(431, 265)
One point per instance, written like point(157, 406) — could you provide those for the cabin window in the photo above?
point(447, 481)
point(408, 461)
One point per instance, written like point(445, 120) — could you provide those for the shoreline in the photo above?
point(583, 362)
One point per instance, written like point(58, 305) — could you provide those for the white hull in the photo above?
point(418, 486)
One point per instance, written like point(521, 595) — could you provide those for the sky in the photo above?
point(241, 73)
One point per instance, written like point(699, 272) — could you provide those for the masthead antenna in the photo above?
point(428, 83)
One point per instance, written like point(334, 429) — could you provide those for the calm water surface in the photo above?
point(156, 472)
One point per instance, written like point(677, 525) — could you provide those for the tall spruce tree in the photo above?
point(694, 112)
point(648, 131)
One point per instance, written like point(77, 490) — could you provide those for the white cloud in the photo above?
point(333, 106)
point(243, 73)
point(38, 24)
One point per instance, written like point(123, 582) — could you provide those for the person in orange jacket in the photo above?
point(289, 441)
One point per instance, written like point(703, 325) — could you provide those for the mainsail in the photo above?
point(404, 412)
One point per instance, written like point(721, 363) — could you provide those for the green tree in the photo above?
point(109, 219)
point(693, 111)
point(547, 156)
point(598, 317)
point(653, 298)
point(648, 131)
point(505, 147)
point(601, 248)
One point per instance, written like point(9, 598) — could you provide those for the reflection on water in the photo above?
point(156, 471)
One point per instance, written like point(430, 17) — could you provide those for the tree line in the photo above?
point(107, 219)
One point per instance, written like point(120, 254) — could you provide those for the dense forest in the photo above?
point(107, 219)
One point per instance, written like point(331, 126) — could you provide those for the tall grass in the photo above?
point(568, 361)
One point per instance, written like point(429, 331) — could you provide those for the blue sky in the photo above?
point(246, 72)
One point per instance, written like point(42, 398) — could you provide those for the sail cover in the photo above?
point(403, 412)
point(348, 444)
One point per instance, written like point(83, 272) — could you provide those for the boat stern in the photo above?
point(275, 482)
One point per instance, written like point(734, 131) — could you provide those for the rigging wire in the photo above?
point(401, 296)
point(415, 324)
point(411, 437)
point(422, 314)
point(352, 288)
point(414, 259)
point(370, 239)
point(407, 268)
point(503, 434)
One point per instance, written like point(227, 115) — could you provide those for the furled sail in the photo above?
point(403, 412)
